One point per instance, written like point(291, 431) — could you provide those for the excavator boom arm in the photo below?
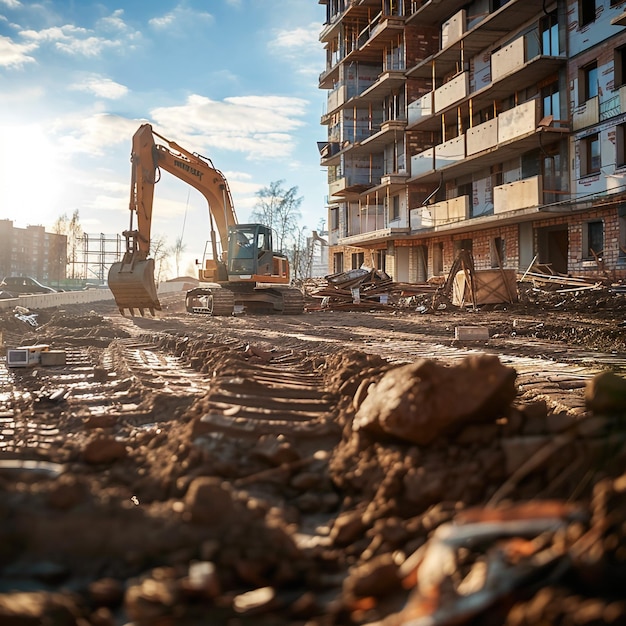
point(132, 279)
point(148, 157)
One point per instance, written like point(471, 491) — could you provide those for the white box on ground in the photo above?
point(26, 356)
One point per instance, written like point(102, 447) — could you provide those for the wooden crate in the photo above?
point(492, 287)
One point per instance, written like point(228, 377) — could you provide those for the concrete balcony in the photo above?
point(450, 211)
point(481, 137)
point(372, 236)
point(586, 114)
point(423, 163)
point(518, 130)
point(388, 132)
point(522, 194)
point(421, 218)
point(451, 92)
point(508, 59)
point(518, 121)
point(450, 152)
point(350, 185)
point(420, 108)
point(336, 98)
point(453, 29)
point(387, 81)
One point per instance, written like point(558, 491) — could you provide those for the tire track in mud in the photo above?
point(551, 374)
point(138, 381)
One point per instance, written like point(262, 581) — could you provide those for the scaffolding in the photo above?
point(99, 253)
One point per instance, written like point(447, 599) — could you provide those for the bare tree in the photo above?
point(279, 208)
point(72, 229)
point(160, 252)
point(57, 253)
point(179, 248)
point(300, 255)
point(74, 239)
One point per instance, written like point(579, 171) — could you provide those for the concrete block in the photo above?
point(53, 357)
point(471, 333)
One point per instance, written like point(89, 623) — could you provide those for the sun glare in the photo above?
point(30, 184)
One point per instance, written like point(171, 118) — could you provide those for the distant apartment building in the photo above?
point(31, 251)
point(495, 126)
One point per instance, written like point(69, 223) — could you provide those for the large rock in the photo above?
point(423, 400)
point(101, 450)
point(606, 393)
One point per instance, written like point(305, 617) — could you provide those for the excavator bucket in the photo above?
point(133, 286)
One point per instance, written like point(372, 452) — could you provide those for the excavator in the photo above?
point(240, 270)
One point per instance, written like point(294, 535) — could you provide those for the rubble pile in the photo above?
point(362, 289)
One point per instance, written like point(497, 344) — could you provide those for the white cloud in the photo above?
point(243, 124)
point(15, 55)
point(93, 135)
point(11, 4)
point(179, 20)
point(298, 40)
point(89, 47)
point(100, 86)
point(162, 22)
point(300, 46)
point(114, 21)
point(74, 40)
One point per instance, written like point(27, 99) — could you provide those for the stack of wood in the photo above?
point(363, 289)
point(542, 277)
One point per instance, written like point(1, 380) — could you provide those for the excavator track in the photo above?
point(293, 302)
point(213, 301)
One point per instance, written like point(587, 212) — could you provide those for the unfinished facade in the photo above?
point(492, 126)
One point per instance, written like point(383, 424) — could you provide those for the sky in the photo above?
point(233, 80)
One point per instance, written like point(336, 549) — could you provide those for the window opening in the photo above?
point(595, 240)
point(586, 12)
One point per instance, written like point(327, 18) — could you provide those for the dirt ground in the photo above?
point(332, 468)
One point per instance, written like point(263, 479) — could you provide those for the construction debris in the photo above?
point(368, 289)
point(363, 289)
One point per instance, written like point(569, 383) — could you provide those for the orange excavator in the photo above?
point(240, 271)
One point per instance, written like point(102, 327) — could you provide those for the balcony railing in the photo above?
point(452, 91)
point(586, 114)
point(421, 108)
point(521, 194)
point(611, 107)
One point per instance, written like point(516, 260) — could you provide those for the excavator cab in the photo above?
point(249, 251)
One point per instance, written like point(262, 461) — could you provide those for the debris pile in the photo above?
point(543, 277)
point(362, 289)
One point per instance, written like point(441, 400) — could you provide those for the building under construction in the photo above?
point(492, 126)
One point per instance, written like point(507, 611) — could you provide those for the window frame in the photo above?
point(620, 145)
point(588, 237)
point(619, 67)
point(586, 12)
point(588, 82)
point(586, 154)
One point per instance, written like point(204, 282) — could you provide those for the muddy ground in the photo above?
point(339, 467)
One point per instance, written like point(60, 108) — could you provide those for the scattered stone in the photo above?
point(104, 450)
